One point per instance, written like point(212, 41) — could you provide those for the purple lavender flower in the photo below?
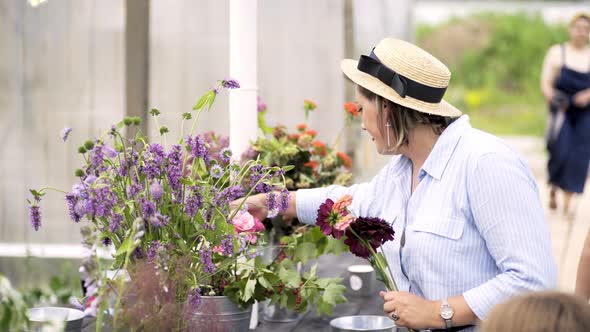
point(156, 191)
point(208, 265)
point(113, 131)
point(227, 245)
point(284, 200)
point(90, 179)
point(138, 253)
point(65, 133)
point(197, 147)
point(225, 155)
point(80, 207)
point(193, 203)
point(194, 298)
point(147, 208)
point(230, 83)
point(107, 241)
point(133, 190)
point(72, 200)
point(261, 105)
point(174, 169)
point(152, 250)
point(243, 244)
point(115, 222)
point(216, 171)
point(158, 220)
point(35, 216)
point(271, 204)
point(154, 160)
point(101, 203)
point(97, 157)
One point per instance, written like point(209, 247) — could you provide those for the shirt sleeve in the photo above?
point(509, 216)
point(308, 201)
point(551, 65)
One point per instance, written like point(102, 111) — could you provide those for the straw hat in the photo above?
point(405, 74)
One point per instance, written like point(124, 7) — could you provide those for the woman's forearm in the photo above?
point(463, 314)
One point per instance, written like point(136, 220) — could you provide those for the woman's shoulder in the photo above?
point(477, 144)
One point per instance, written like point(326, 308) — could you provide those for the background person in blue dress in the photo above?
point(565, 82)
point(470, 231)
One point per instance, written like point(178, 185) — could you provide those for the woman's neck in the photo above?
point(578, 46)
point(421, 141)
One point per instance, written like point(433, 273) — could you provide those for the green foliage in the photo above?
point(497, 84)
point(13, 309)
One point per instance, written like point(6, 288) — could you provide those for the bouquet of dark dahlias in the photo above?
point(364, 235)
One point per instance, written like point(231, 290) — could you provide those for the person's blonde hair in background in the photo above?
point(540, 312)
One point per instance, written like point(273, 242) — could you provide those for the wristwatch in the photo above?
point(446, 313)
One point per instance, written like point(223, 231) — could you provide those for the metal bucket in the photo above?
point(219, 314)
point(361, 279)
point(70, 318)
point(362, 323)
point(274, 313)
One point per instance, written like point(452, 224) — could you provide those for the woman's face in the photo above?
point(580, 31)
point(372, 124)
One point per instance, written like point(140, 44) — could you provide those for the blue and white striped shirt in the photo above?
point(473, 226)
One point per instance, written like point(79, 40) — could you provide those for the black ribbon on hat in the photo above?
point(401, 84)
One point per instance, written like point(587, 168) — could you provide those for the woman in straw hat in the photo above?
point(565, 82)
point(470, 230)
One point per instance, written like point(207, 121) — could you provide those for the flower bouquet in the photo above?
point(166, 213)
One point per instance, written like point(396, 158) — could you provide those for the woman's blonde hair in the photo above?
point(538, 312)
point(403, 119)
point(580, 15)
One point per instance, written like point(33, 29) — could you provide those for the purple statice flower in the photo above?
point(72, 200)
point(90, 179)
point(154, 160)
point(208, 265)
point(174, 169)
point(152, 250)
point(261, 106)
point(194, 298)
point(133, 190)
point(158, 220)
point(115, 223)
point(243, 244)
point(80, 207)
point(109, 151)
point(156, 191)
point(225, 155)
point(284, 200)
point(97, 157)
point(271, 204)
point(65, 133)
point(147, 208)
point(227, 245)
point(193, 202)
point(216, 171)
point(35, 216)
point(230, 83)
point(79, 189)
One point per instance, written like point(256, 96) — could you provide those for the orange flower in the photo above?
point(311, 164)
point(294, 137)
point(345, 159)
point(352, 109)
point(342, 203)
point(311, 132)
point(309, 105)
point(301, 127)
point(320, 148)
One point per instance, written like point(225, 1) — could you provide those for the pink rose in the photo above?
point(244, 222)
point(258, 226)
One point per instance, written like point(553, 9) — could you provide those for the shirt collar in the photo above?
point(444, 147)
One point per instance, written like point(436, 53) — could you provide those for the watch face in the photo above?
point(446, 312)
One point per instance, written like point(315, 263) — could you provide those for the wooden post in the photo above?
point(137, 60)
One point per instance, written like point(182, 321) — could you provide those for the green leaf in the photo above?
point(211, 101)
point(312, 272)
point(249, 290)
point(290, 277)
point(264, 282)
point(304, 252)
point(334, 294)
point(125, 246)
point(335, 246)
point(204, 99)
point(288, 168)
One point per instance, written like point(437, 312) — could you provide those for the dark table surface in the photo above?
point(328, 266)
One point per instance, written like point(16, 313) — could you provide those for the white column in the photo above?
point(243, 123)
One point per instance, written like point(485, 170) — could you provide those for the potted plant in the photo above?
point(189, 255)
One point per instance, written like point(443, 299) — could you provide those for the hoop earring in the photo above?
point(388, 126)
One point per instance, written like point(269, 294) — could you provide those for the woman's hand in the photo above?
point(256, 205)
point(411, 310)
point(582, 98)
